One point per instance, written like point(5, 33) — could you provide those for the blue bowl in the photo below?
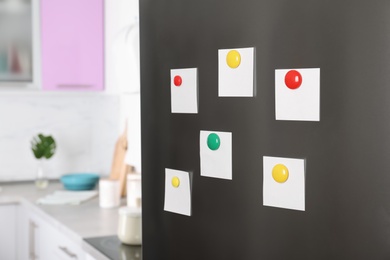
point(79, 181)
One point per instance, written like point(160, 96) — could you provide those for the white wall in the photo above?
point(122, 69)
point(84, 125)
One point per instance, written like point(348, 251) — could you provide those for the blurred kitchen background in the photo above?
point(85, 124)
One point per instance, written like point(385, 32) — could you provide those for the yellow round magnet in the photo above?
point(175, 182)
point(233, 59)
point(280, 173)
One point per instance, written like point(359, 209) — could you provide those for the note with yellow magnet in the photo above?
point(236, 72)
point(284, 182)
point(177, 192)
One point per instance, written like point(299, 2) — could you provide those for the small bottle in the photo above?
point(41, 180)
point(133, 190)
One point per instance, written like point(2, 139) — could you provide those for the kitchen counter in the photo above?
point(77, 222)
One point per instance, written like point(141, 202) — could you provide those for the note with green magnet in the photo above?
point(216, 154)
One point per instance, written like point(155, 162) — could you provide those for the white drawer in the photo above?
point(65, 249)
point(55, 245)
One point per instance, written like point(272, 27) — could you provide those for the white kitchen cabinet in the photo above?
point(39, 243)
point(33, 243)
point(8, 231)
point(22, 233)
point(38, 239)
point(61, 247)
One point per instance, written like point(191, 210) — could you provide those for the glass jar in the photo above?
point(130, 226)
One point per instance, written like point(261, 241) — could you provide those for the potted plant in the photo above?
point(42, 147)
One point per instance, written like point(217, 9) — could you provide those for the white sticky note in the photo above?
point(184, 96)
point(291, 193)
point(239, 81)
point(216, 163)
point(302, 103)
point(177, 199)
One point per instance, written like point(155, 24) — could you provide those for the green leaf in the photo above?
point(43, 146)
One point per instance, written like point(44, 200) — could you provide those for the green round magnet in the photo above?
point(213, 141)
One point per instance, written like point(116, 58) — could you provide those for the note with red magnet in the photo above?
point(177, 192)
point(216, 154)
point(184, 91)
point(236, 72)
point(297, 94)
point(284, 183)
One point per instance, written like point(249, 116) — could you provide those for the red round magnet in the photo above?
point(293, 79)
point(177, 81)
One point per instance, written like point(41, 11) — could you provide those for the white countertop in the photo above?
point(75, 221)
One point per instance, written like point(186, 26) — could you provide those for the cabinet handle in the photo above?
point(73, 86)
point(31, 250)
point(68, 252)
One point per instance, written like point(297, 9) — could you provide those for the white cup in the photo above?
point(109, 193)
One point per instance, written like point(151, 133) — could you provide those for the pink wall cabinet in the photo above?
point(72, 40)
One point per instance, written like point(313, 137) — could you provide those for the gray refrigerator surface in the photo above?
point(347, 153)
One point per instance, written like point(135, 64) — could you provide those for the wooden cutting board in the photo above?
point(119, 169)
